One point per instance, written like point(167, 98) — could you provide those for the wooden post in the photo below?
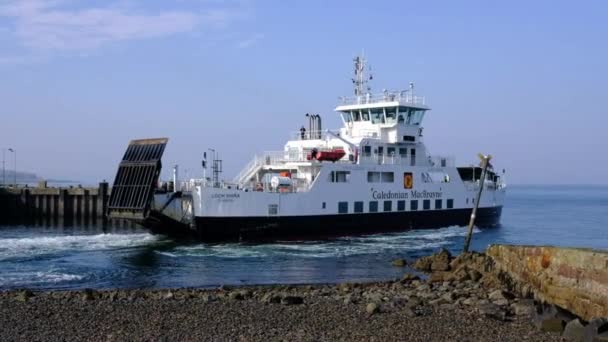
point(485, 161)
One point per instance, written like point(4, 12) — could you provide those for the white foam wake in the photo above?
point(35, 278)
point(32, 246)
point(374, 244)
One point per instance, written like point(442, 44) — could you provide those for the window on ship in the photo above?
point(358, 207)
point(414, 205)
point(339, 176)
point(426, 204)
point(373, 206)
point(342, 207)
point(388, 205)
point(401, 205)
point(377, 115)
point(438, 204)
point(391, 115)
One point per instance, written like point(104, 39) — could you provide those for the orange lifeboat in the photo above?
point(331, 155)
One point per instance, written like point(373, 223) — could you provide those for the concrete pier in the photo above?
point(69, 204)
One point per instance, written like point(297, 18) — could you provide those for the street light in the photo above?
point(15, 155)
point(3, 168)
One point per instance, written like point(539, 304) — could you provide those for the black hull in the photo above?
point(327, 226)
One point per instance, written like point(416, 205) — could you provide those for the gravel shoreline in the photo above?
point(405, 310)
point(462, 299)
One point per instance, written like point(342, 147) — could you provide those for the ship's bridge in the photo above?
point(392, 116)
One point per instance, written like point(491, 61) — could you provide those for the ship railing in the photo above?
point(308, 135)
point(407, 160)
point(386, 96)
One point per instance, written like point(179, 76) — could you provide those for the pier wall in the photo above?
point(575, 279)
point(73, 203)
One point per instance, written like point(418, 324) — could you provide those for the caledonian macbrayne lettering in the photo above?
point(414, 194)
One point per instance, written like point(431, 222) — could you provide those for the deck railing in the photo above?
point(386, 96)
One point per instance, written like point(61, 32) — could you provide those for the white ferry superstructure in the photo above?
point(372, 175)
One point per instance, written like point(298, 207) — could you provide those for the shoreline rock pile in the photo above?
point(496, 295)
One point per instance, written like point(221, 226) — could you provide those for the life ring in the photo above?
point(408, 180)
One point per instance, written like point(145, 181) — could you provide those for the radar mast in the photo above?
point(360, 80)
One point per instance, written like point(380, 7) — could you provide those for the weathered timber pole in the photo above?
point(485, 161)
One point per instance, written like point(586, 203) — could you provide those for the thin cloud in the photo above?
point(250, 41)
point(52, 25)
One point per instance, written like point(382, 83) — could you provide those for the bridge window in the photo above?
point(390, 151)
point(367, 151)
point(402, 152)
point(391, 115)
point(365, 114)
point(342, 207)
point(358, 207)
point(356, 115)
point(373, 206)
point(377, 115)
point(401, 205)
point(347, 117)
point(414, 116)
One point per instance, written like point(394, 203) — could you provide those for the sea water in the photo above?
point(46, 257)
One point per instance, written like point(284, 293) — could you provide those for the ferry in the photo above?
point(374, 174)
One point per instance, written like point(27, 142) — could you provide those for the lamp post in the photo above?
point(3, 168)
point(15, 158)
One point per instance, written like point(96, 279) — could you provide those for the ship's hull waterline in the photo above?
point(324, 226)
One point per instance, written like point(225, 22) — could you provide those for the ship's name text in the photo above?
point(414, 194)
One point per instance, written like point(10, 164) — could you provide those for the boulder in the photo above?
point(491, 310)
point(441, 261)
point(235, 296)
point(603, 337)
point(408, 277)
point(413, 302)
point(555, 325)
point(574, 331)
point(423, 264)
point(523, 309)
point(292, 300)
point(496, 295)
point(501, 302)
point(437, 277)
point(596, 327)
point(372, 308)
point(474, 275)
point(469, 301)
point(399, 262)
point(409, 312)
point(88, 294)
point(24, 296)
point(271, 298)
point(169, 295)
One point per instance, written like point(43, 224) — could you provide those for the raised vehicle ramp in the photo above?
point(136, 179)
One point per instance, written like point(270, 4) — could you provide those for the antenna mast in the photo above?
point(360, 80)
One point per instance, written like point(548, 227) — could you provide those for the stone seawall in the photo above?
point(575, 279)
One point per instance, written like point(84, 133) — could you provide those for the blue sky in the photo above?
point(522, 80)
